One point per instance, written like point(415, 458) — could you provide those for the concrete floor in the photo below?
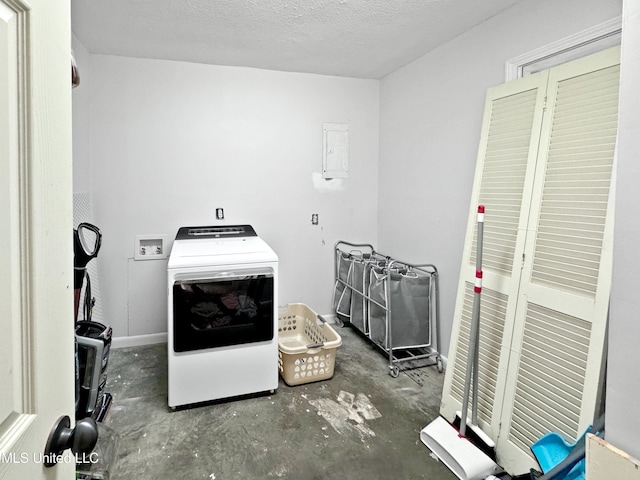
point(304, 432)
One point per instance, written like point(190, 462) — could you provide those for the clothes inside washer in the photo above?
point(228, 309)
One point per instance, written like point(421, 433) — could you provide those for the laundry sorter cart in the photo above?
point(393, 303)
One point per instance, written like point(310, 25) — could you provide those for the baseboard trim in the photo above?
point(139, 340)
point(444, 362)
point(330, 318)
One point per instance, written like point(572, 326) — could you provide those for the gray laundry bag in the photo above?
point(341, 293)
point(359, 282)
point(409, 307)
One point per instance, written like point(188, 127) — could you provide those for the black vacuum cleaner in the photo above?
point(93, 339)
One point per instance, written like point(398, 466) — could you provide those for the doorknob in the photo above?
point(80, 439)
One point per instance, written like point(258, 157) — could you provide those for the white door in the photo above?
point(36, 252)
point(503, 183)
point(543, 173)
point(558, 342)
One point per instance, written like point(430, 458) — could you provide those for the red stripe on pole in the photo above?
point(480, 208)
point(478, 285)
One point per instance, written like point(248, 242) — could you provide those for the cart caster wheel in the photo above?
point(394, 371)
point(440, 365)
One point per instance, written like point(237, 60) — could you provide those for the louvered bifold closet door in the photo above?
point(557, 350)
point(503, 181)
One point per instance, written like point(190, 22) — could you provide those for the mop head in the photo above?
point(460, 455)
point(476, 436)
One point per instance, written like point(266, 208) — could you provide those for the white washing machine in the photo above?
point(222, 313)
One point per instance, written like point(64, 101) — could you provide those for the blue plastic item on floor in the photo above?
point(552, 449)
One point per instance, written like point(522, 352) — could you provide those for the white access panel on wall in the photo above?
point(335, 151)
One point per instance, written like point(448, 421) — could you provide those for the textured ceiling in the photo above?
point(351, 38)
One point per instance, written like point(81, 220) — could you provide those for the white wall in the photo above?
point(623, 381)
point(430, 119)
point(172, 141)
point(81, 120)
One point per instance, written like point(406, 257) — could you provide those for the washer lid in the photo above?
point(220, 251)
point(225, 231)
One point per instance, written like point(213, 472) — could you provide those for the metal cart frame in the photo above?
point(397, 355)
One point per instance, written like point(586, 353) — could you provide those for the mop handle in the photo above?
point(477, 294)
point(480, 236)
point(474, 333)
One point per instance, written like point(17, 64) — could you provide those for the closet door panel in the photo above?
point(503, 181)
point(492, 324)
point(556, 360)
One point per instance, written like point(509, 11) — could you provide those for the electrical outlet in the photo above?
point(219, 213)
point(314, 219)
